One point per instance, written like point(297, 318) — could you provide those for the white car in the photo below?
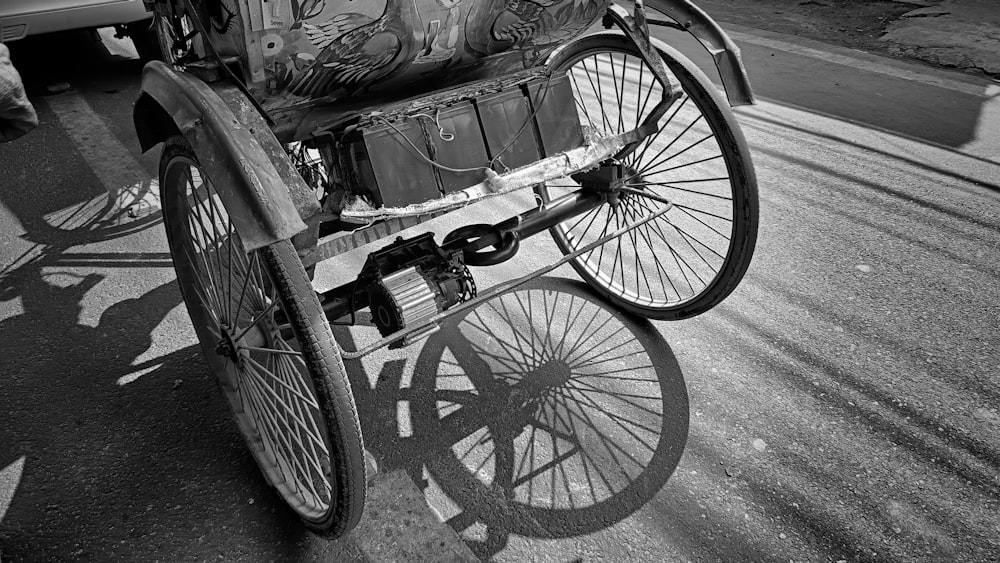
point(21, 18)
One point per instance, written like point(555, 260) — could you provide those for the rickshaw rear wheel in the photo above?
point(688, 260)
point(267, 341)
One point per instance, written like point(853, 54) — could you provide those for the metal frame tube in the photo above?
point(427, 326)
point(552, 213)
point(337, 302)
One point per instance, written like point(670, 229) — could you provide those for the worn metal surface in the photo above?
point(636, 28)
point(339, 243)
point(303, 51)
point(252, 189)
point(637, 31)
point(724, 51)
point(302, 195)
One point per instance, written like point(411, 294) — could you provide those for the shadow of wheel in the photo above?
point(547, 413)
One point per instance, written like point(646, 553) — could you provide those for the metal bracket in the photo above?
point(725, 53)
point(636, 28)
point(200, 27)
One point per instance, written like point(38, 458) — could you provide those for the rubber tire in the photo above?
point(738, 162)
point(312, 331)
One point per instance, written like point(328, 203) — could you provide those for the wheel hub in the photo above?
point(235, 340)
point(608, 179)
point(228, 346)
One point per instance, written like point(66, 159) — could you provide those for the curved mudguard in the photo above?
point(724, 51)
point(260, 189)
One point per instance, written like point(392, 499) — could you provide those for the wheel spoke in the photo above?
point(257, 318)
point(673, 187)
point(243, 292)
point(232, 294)
point(200, 255)
point(673, 252)
point(273, 351)
point(648, 169)
point(276, 399)
point(663, 127)
point(211, 248)
point(279, 440)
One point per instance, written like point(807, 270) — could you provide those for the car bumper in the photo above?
point(18, 26)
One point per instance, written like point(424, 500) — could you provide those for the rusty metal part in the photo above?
point(341, 242)
point(637, 31)
point(724, 51)
point(303, 195)
point(253, 189)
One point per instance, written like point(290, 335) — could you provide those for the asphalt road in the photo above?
point(840, 405)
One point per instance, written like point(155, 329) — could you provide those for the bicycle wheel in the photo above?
point(267, 340)
point(689, 259)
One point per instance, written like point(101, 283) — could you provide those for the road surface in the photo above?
point(840, 405)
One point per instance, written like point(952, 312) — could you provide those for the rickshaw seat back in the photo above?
point(307, 52)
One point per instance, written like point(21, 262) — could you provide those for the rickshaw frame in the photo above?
point(221, 142)
point(268, 200)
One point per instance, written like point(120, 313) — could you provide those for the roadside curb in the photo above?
point(860, 59)
point(399, 526)
point(962, 34)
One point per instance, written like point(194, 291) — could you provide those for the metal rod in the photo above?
point(498, 289)
point(647, 194)
point(534, 221)
point(552, 213)
point(337, 302)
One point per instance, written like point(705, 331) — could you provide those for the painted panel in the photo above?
point(319, 50)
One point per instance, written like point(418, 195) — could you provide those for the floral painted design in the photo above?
point(329, 49)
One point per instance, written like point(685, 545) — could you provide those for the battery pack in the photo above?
point(404, 158)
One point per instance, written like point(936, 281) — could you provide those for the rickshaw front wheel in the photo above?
point(267, 341)
point(689, 259)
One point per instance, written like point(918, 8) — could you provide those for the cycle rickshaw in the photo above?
point(296, 130)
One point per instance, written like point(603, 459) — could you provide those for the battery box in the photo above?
point(403, 158)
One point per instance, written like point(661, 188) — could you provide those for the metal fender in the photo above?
point(260, 189)
point(724, 51)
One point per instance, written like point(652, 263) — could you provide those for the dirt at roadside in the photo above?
point(856, 24)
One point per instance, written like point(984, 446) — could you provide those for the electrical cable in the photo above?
point(442, 133)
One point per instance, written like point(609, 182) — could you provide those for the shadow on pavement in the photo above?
point(73, 56)
point(123, 458)
point(544, 413)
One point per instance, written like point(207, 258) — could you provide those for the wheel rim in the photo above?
point(678, 257)
point(240, 319)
